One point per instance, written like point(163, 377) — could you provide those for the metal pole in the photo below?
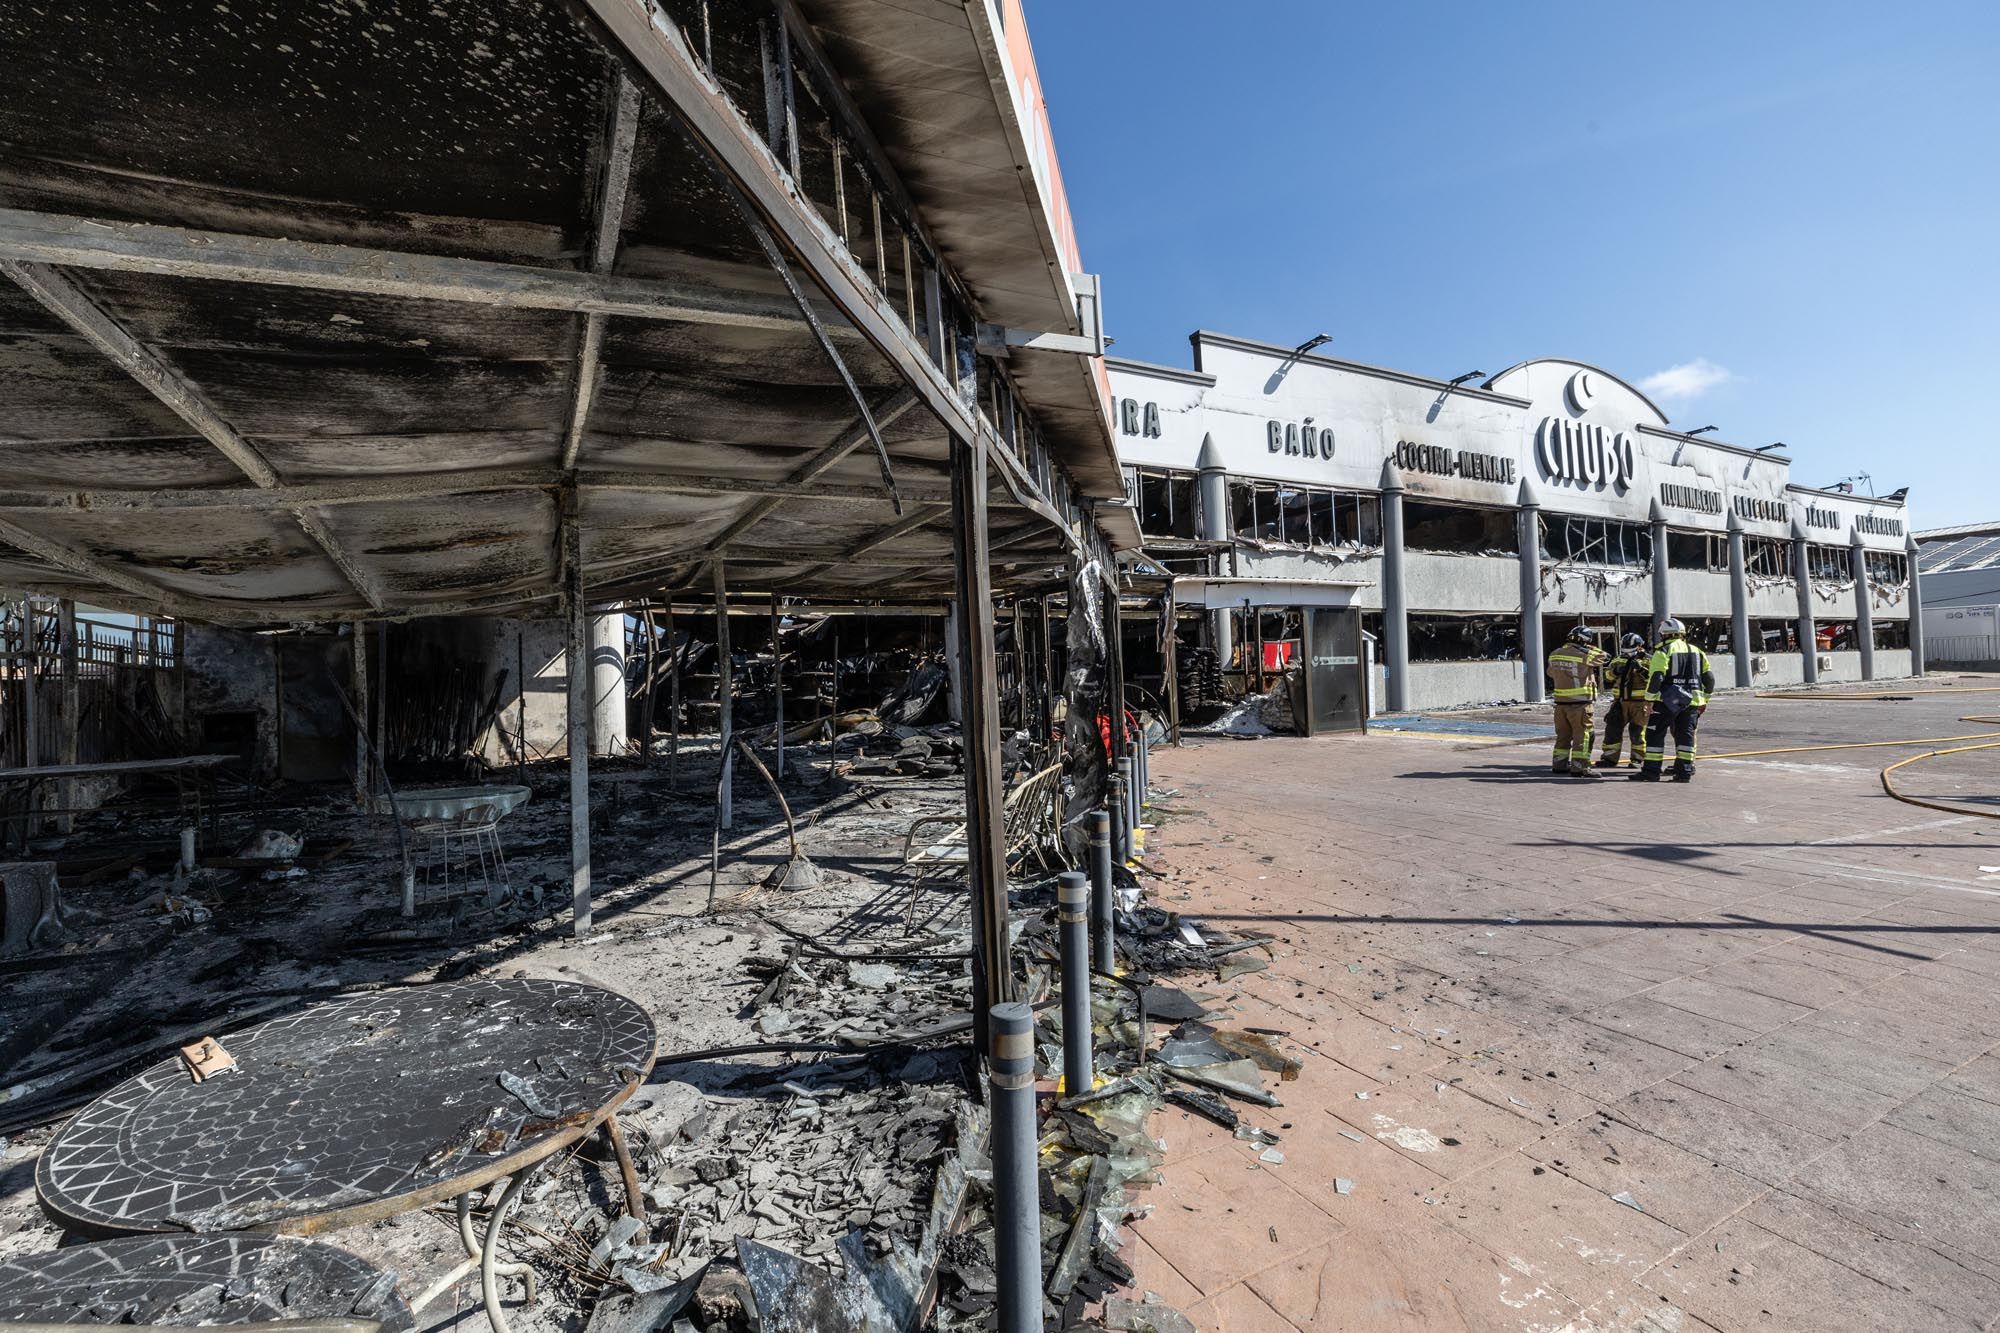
point(986, 848)
point(1115, 811)
point(1017, 1240)
point(778, 688)
point(576, 667)
point(358, 664)
point(72, 709)
point(1864, 609)
point(651, 677)
point(1129, 786)
point(1739, 607)
point(1395, 594)
point(725, 689)
point(1534, 661)
point(1102, 939)
point(673, 702)
point(1212, 490)
point(1072, 919)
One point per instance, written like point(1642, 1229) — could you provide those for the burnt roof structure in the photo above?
point(335, 311)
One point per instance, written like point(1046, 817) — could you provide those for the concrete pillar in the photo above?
point(607, 683)
point(1212, 483)
point(1395, 593)
point(1916, 604)
point(1739, 606)
point(1534, 655)
point(1662, 601)
point(1864, 608)
point(1808, 631)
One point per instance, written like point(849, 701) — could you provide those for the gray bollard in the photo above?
point(1114, 812)
point(1105, 957)
point(187, 848)
point(1017, 1204)
point(1144, 749)
point(1131, 781)
point(1072, 921)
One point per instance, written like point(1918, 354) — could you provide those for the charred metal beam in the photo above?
point(985, 836)
point(374, 490)
point(185, 252)
point(613, 185)
point(889, 410)
point(181, 396)
point(81, 563)
point(68, 303)
point(660, 52)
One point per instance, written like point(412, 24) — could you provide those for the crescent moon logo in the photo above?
point(1582, 391)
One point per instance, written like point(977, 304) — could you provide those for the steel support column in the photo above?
point(576, 667)
point(1395, 594)
point(1739, 607)
point(986, 860)
point(725, 704)
point(1534, 658)
point(358, 676)
point(71, 709)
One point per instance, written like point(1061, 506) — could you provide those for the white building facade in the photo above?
point(1470, 526)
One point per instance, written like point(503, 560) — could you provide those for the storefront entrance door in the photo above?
point(1336, 697)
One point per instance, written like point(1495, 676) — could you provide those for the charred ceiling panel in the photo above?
point(452, 546)
point(455, 108)
point(228, 556)
point(263, 392)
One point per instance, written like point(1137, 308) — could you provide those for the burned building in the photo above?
point(1449, 530)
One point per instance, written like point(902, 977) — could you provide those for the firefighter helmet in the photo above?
point(1633, 642)
point(1671, 627)
point(1583, 634)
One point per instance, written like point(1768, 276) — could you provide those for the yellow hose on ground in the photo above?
point(1887, 785)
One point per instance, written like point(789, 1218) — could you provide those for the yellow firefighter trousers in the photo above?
point(1576, 733)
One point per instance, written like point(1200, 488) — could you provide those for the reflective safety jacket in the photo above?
point(1627, 675)
point(1574, 672)
point(1680, 677)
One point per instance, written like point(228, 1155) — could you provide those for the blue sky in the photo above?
point(1788, 213)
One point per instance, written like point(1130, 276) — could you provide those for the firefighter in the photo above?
point(1576, 672)
point(1626, 676)
point(1678, 684)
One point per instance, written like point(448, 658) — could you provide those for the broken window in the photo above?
point(1574, 539)
point(1892, 633)
point(1698, 550)
point(1777, 636)
point(1887, 569)
point(1708, 633)
point(1767, 557)
point(1836, 636)
point(1828, 564)
point(1457, 529)
point(1439, 638)
point(1242, 509)
point(1165, 502)
point(1303, 515)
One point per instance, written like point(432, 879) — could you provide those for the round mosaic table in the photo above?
point(355, 1110)
point(186, 1280)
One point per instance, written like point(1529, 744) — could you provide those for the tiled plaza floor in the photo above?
point(1598, 1056)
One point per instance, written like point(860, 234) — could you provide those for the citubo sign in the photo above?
point(1585, 455)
